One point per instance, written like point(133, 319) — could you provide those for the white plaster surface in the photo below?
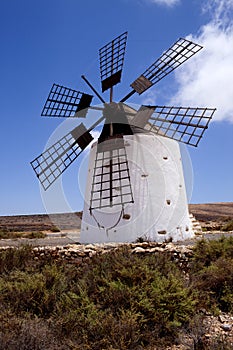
point(160, 209)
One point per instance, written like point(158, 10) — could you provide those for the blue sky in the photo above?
point(49, 41)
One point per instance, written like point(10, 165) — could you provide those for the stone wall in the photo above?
point(78, 253)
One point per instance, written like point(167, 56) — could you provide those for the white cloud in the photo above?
point(207, 78)
point(219, 10)
point(168, 3)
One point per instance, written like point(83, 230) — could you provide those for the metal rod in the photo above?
point(111, 94)
point(93, 89)
point(110, 179)
point(111, 126)
point(128, 96)
point(96, 123)
point(112, 65)
point(96, 108)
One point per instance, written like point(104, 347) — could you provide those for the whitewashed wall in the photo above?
point(160, 209)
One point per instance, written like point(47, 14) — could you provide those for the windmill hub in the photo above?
point(116, 122)
point(135, 184)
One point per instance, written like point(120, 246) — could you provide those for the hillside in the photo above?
point(212, 211)
point(203, 212)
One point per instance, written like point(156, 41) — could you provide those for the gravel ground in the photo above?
point(72, 238)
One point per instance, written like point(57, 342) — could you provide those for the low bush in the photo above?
point(207, 252)
point(8, 234)
point(147, 296)
point(34, 234)
point(55, 229)
point(117, 300)
point(13, 258)
point(212, 273)
point(27, 334)
point(228, 226)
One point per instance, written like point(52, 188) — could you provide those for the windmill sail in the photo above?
point(49, 165)
point(111, 61)
point(111, 180)
point(184, 124)
point(171, 59)
point(65, 102)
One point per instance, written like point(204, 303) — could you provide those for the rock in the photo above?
point(90, 246)
point(138, 250)
point(89, 252)
point(226, 327)
point(222, 318)
point(153, 250)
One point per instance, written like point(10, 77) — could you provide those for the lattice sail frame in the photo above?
point(171, 59)
point(111, 184)
point(111, 61)
point(65, 102)
point(183, 124)
point(49, 165)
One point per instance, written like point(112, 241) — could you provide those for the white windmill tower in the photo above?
point(135, 184)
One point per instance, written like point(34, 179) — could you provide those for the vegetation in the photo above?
point(55, 229)
point(212, 273)
point(220, 224)
point(228, 226)
point(8, 234)
point(114, 301)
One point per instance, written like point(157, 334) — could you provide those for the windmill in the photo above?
point(135, 184)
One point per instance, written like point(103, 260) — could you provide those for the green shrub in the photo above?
point(215, 284)
point(35, 293)
point(8, 234)
point(55, 229)
point(116, 300)
point(34, 234)
point(212, 273)
point(228, 226)
point(151, 290)
point(205, 252)
point(27, 334)
point(14, 258)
